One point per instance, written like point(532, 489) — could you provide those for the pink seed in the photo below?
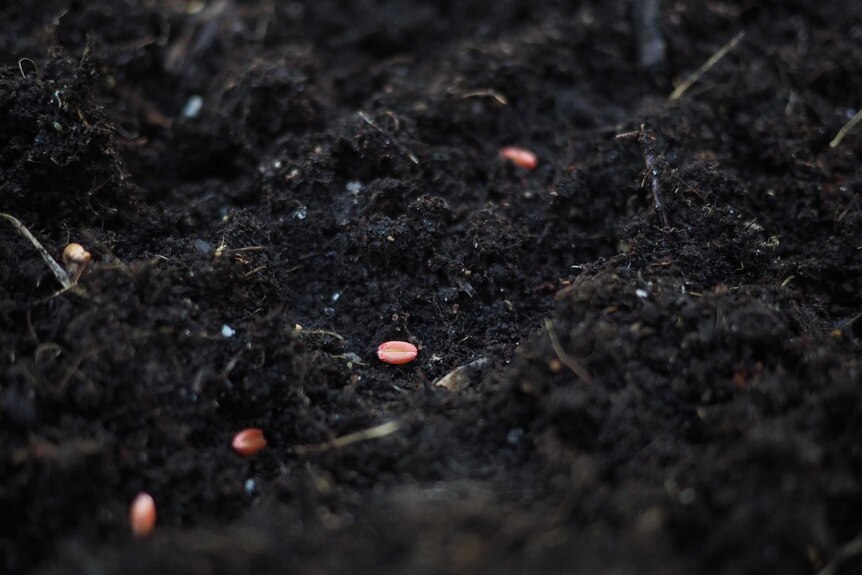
point(142, 515)
point(249, 441)
point(520, 157)
point(397, 352)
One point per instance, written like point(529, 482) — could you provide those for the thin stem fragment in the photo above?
point(59, 273)
point(375, 432)
point(713, 60)
point(567, 360)
point(846, 129)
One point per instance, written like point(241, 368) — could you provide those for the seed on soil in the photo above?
point(75, 254)
point(142, 515)
point(249, 441)
point(397, 352)
point(521, 157)
point(76, 258)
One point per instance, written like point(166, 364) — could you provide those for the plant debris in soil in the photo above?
point(641, 356)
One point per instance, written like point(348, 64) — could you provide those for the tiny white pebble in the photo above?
point(193, 106)
point(687, 496)
point(514, 436)
point(336, 296)
point(354, 187)
point(641, 293)
point(249, 486)
point(227, 331)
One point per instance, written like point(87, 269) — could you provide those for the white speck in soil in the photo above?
point(193, 106)
point(643, 294)
point(227, 331)
point(514, 436)
point(687, 496)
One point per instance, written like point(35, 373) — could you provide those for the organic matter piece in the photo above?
point(249, 441)
point(459, 377)
point(142, 515)
point(55, 268)
point(521, 157)
point(846, 129)
point(376, 432)
point(397, 352)
point(713, 60)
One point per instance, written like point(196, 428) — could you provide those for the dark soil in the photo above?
point(341, 186)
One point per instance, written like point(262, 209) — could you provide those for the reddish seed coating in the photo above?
point(397, 352)
point(142, 515)
point(249, 441)
point(520, 157)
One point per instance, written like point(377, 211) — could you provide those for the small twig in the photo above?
point(376, 432)
point(846, 129)
point(460, 376)
point(75, 364)
point(647, 141)
point(59, 273)
point(568, 360)
point(851, 549)
point(299, 331)
point(245, 249)
point(398, 145)
point(713, 60)
point(21, 68)
point(628, 136)
point(486, 93)
point(258, 269)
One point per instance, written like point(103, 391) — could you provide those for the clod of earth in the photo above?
point(142, 515)
point(397, 352)
point(249, 441)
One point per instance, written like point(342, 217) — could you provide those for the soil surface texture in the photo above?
point(642, 356)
